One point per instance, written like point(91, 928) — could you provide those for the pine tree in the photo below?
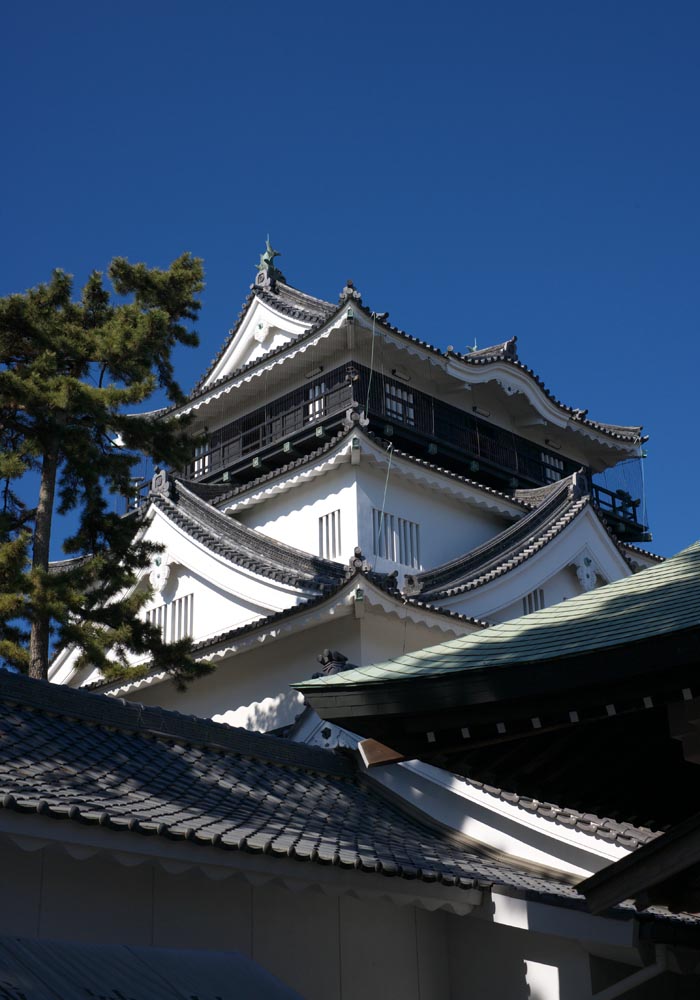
point(70, 373)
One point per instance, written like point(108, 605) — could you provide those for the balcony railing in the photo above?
point(622, 512)
point(460, 440)
point(277, 422)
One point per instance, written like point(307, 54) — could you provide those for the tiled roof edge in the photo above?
point(624, 834)
point(643, 552)
point(507, 546)
point(114, 713)
point(485, 356)
point(304, 460)
point(275, 560)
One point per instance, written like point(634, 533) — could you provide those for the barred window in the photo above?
point(553, 467)
point(398, 404)
point(174, 620)
point(201, 459)
point(396, 539)
point(533, 601)
point(316, 407)
point(329, 535)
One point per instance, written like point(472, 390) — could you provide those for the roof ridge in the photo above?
point(285, 560)
point(221, 497)
point(501, 547)
point(166, 724)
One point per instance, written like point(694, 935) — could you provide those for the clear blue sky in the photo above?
point(479, 169)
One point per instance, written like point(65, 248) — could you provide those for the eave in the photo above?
point(443, 713)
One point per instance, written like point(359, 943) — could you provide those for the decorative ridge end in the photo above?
point(412, 586)
point(579, 485)
point(268, 274)
point(162, 484)
point(349, 292)
point(332, 662)
point(358, 563)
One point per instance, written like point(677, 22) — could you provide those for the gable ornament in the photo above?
point(585, 572)
point(160, 571)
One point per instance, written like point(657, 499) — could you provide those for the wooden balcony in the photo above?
point(414, 421)
point(621, 512)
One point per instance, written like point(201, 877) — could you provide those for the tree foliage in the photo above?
point(71, 373)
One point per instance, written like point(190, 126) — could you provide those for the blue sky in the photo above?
point(480, 170)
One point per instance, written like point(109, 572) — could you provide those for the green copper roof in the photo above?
point(654, 602)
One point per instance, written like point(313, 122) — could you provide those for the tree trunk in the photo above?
point(41, 619)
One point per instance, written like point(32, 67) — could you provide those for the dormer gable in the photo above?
point(273, 315)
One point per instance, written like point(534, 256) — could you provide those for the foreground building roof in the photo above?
point(88, 759)
point(662, 600)
point(549, 705)
point(87, 762)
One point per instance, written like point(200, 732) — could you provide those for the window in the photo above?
point(316, 407)
point(175, 620)
point(553, 467)
point(533, 601)
point(396, 539)
point(201, 459)
point(398, 404)
point(329, 535)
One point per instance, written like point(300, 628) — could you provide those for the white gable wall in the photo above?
point(448, 527)
point(550, 569)
point(293, 517)
point(262, 330)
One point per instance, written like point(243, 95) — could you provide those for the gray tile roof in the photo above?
point(559, 505)
point(243, 546)
point(89, 759)
point(625, 834)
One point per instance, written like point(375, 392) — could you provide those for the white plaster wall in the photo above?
point(560, 587)
point(293, 517)
point(252, 688)
point(325, 947)
point(488, 960)
point(448, 528)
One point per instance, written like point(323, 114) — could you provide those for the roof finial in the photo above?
point(268, 274)
point(350, 292)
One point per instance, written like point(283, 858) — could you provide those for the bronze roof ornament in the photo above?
point(268, 274)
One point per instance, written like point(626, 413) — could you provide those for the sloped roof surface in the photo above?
point(72, 970)
point(559, 505)
point(317, 312)
point(90, 759)
point(243, 546)
point(283, 299)
point(660, 600)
